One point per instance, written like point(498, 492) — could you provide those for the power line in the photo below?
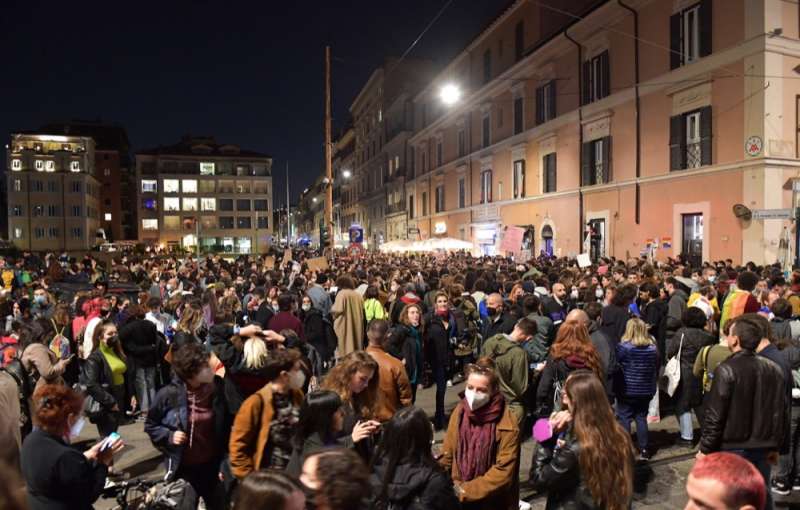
point(414, 43)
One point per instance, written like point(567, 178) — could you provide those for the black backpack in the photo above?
point(25, 385)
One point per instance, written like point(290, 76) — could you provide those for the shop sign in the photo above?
point(440, 227)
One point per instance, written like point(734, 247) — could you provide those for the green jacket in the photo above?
point(511, 364)
point(373, 309)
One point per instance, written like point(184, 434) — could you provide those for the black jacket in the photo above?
point(263, 315)
point(58, 476)
point(402, 345)
point(438, 344)
point(314, 329)
point(502, 325)
point(539, 346)
point(559, 474)
point(613, 323)
point(555, 372)
point(140, 341)
point(747, 406)
point(689, 392)
point(412, 487)
point(97, 377)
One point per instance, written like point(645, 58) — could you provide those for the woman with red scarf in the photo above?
point(481, 447)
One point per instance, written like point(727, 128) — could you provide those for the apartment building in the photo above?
point(643, 122)
point(200, 193)
point(53, 194)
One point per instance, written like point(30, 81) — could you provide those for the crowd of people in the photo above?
point(293, 385)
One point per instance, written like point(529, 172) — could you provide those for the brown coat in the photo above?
point(46, 363)
point(394, 390)
point(348, 321)
point(498, 488)
point(250, 431)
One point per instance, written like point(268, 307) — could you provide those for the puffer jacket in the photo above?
point(412, 487)
point(747, 406)
point(638, 370)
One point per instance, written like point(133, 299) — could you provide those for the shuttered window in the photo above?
point(690, 139)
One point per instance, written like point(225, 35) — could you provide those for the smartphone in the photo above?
point(107, 442)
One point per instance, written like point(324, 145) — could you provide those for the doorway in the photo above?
point(692, 238)
point(547, 240)
point(597, 238)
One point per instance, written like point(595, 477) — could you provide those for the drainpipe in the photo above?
point(580, 137)
point(636, 90)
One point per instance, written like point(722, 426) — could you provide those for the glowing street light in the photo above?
point(346, 174)
point(450, 94)
point(314, 200)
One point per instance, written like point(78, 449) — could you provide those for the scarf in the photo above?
point(476, 437)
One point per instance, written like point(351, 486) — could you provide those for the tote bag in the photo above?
point(673, 370)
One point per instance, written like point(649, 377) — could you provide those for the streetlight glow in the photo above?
point(314, 199)
point(346, 174)
point(450, 94)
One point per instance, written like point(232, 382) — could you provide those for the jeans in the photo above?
point(440, 377)
point(145, 383)
point(204, 479)
point(789, 464)
point(758, 457)
point(634, 408)
point(686, 426)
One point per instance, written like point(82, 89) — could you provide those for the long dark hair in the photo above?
point(406, 439)
point(265, 489)
point(316, 415)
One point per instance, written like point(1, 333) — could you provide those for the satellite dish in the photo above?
point(742, 212)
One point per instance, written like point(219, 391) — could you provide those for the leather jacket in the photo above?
point(747, 405)
point(558, 473)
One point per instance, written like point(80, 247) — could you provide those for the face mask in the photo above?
point(574, 294)
point(475, 399)
point(76, 428)
point(442, 312)
point(598, 293)
point(712, 279)
point(40, 299)
point(113, 341)
point(306, 307)
point(491, 312)
point(297, 379)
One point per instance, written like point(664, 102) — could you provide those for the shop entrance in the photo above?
point(597, 238)
point(547, 240)
point(692, 238)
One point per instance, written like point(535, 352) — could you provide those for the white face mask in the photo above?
point(76, 428)
point(598, 293)
point(306, 306)
point(476, 399)
point(297, 379)
point(574, 294)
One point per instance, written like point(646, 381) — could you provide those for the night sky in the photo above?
point(250, 73)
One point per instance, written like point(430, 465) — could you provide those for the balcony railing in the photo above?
point(396, 207)
point(694, 155)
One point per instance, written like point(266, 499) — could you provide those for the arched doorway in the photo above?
point(547, 240)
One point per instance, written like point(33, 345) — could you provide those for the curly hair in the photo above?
point(573, 340)
point(341, 375)
point(189, 359)
point(52, 405)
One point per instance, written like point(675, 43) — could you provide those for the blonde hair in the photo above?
point(255, 353)
point(636, 333)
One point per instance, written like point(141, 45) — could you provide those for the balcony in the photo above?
point(397, 207)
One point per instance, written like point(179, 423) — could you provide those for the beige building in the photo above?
point(53, 194)
point(570, 122)
point(201, 192)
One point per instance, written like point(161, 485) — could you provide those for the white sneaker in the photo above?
point(449, 383)
point(524, 505)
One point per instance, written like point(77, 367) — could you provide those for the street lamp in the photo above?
point(346, 174)
point(450, 94)
point(314, 200)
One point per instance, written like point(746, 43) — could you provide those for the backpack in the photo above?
point(60, 343)
point(8, 350)
point(708, 377)
point(25, 385)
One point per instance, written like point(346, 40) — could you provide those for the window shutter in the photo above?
point(675, 41)
point(539, 105)
point(587, 80)
point(677, 141)
point(552, 99)
point(705, 135)
point(705, 28)
point(489, 186)
point(586, 164)
point(522, 180)
point(550, 172)
point(605, 84)
point(606, 160)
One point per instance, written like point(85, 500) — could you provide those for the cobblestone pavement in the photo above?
point(659, 483)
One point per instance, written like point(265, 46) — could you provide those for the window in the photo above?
point(77, 211)
point(391, 166)
point(107, 216)
point(438, 153)
point(225, 204)
point(75, 166)
point(38, 232)
point(76, 232)
point(243, 205)
point(439, 199)
point(37, 185)
point(486, 186)
point(242, 187)
point(244, 222)
point(53, 211)
point(226, 222)
point(172, 204)
point(462, 193)
point(411, 206)
point(208, 204)
point(519, 41)
point(263, 222)
point(690, 139)
point(17, 233)
point(423, 164)
point(206, 168)
point(16, 210)
point(171, 185)
point(690, 34)
point(260, 205)
point(242, 170)
point(487, 66)
point(52, 232)
point(189, 185)
point(107, 172)
point(38, 210)
point(596, 83)
point(396, 163)
point(595, 162)
point(52, 186)
point(189, 204)
point(486, 131)
point(16, 165)
point(207, 186)
point(172, 222)
point(149, 224)
point(149, 185)
point(424, 203)
point(462, 143)
point(151, 204)
point(77, 187)
point(546, 102)
point(209, 222)
point(50, 166)
point(549, 173)
point(39, 165)
point(519, 178)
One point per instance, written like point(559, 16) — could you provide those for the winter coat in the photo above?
point(607, 354)
point(498, 488)
point(639, 370)
point(319, 298)
point(169, 413)
point(40, 359)
point(511, 366)
point(373, 309)
point(614, 319)
point(539, 346)
point(140, 340)
point(406, 345)
point(412, 487)
point(503, 323)
point(394, 390)
point(688, 394)
point(555, 372)
point(438, 340)
point(314, 328)
point(348, 321)
point(675, 308)
point(98, 379)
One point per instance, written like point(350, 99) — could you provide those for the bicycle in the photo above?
point(141, 494)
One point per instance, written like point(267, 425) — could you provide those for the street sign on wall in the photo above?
point(772, 214)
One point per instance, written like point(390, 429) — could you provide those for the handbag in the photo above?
point(672, 371)
point(91, 407)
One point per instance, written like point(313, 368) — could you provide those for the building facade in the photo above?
point(201, 194)
point(642, 122)
point(53, 194)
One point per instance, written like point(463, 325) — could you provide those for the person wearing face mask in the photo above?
point(284, 318)
point(481, 446)
point(315, 328)
point(498, 321)
point(104, 377)
point(57, 475)
point(263, 428)
point(190, 422)
point(42, 307)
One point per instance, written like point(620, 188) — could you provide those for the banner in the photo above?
point(512, 240)
point(318, 264)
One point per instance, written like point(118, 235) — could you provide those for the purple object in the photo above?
point(542, 431)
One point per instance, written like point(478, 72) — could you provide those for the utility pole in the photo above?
point(288, 216)
point(328, 155)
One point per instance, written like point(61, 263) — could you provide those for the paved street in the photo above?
point(659, 484)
